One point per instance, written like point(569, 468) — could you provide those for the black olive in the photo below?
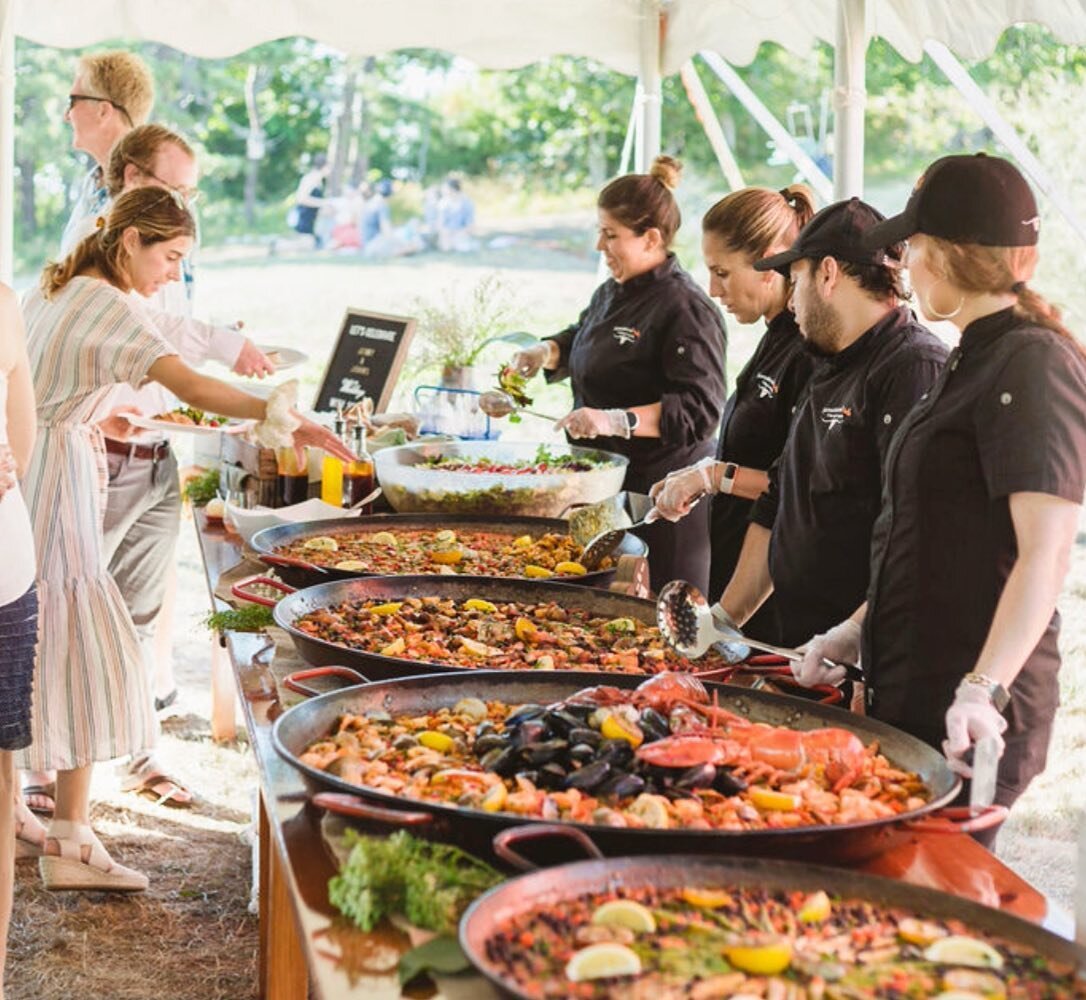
point(589, 776)
point(727, 783)
point(542, 753)
point(585, 735)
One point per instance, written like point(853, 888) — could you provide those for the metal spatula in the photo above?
point(686, 622)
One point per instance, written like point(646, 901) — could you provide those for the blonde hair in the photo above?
point(139, 147)
point(644, 201)
point(976, 268)
point(157, 215)
point(757, 220)
point(123, 79)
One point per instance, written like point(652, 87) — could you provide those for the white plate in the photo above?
point(168, 426)
point(288, 356)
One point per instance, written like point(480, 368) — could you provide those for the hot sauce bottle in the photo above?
point(358, 476)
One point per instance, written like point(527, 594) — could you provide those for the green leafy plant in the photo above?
point(203, 488)
point(247, 618)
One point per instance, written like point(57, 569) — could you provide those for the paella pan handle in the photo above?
point(293, 682)
point(270, 560)
point(353, 807)
point(503, 842)
point(241, 591)
point(959, 819)
point(776, 669)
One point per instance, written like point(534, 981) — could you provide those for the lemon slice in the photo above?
point(771, 801)
point(625, 913)
point(384, 538)
point(957, 949)
point(494, 798)
point(478, 649)
point(602, 961)
point(441, 742)
point(651, 810)
point(395, 647)
point(321, 543)
point(526, 630)
point(537, 572)
point(919, 932)
point(386, 609)
point(614, 727)
point(621, 626)
point(447, 557)
point(707, 899)
point(815, 908)
point(445, 537)
point(351, 566)
point(545, 662)
point(570, 569)
point(478, 604)
point(760, 959)
point(524, 542)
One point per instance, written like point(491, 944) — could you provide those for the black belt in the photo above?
point(148, 452)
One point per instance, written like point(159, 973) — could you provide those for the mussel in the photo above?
point(500, 760)
point(532, 731)
point(552, 775)
point(583, 734)
point(727, 783)
point(698, 776)
point(524, 713)
point(617, 753)
point(542, 753)
point(622, 785)
point(562, 722)
point(582, 753)
point(489, 741)
point(653, 725)
point(589, 776)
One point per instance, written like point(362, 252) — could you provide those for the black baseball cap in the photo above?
point(837, 231)
point(967, 199)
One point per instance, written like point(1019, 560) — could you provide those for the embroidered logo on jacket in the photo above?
point(834, 416)
point(626, 334)
point(1035, 222)
point(767, 386)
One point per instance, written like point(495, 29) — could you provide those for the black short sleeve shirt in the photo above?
point(825, 489)
point(1007, 416)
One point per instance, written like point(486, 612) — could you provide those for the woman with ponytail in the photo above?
point(982, 487)
point(741, 228)
point(86, 336)
point(645, 359)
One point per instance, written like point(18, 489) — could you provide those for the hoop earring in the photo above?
point(931, 311)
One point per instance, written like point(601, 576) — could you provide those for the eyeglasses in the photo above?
point(188, 195)
point(74, 99)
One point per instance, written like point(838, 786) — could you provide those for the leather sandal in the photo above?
point(45, 794)
point(152, 782)
point(82, 862)
point(29, 833)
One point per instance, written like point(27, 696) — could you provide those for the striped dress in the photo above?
point(91, 698)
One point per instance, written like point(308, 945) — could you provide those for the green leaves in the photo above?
point(440, 954)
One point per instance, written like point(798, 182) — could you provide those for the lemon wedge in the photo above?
point(919, 932)
point(395, 647)
point(771, 801)
point(602, 961)
point(321, 543)
point(478, 604)
point(621, 626)
point(707, 899)
point(614, 727)
point(351, 566)
point(570, 569)
point(760, 959)
point(537, 572)
point(445, 537)
point(524, 542)
point(386, 609)
point(494, 798)
point(478, 649)
point(545, 662)
point(526, 630)
point(625, 913)
point(446, 557)
point(957, 949)
point(384, 538)
point(441, 742)
point(651, 810)
point(815, 908)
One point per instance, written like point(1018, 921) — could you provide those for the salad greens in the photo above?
point(248, 618)
point(514, 385)
point(202, 489)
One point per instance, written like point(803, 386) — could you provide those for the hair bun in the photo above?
point(667, 170)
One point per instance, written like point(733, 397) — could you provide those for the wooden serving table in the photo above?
point(303, 942)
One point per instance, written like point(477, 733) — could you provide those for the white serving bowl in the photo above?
point(248, 521)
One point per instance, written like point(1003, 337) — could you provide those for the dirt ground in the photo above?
point(192, 935)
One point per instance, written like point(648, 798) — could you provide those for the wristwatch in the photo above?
point(632, 420)
point(727, 477)
point(998, 694)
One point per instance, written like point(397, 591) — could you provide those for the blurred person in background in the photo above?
point(455, 219)
point(309, 199)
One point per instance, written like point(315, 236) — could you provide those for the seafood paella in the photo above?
point(507, 635)
point(661, 756)
point(420, 550)
point(704, 942)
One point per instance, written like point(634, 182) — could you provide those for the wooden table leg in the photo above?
point(223, 694)
point(283, 974)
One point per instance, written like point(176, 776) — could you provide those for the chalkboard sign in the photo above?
point(366, 361)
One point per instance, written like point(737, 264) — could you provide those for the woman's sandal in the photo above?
point(150, 781)
point(83, 863)
point(29, 833)
point(41, 799)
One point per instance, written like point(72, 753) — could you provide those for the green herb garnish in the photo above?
point(202, 489)
point(440, 954)
point(430, 884)
point(249, 618)
point(514, 385)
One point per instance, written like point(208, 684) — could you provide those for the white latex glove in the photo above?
point(675, 495)
point(733, 652)
point(971, 717)
point(840, 644)
point(529, 360)
point(589, 423)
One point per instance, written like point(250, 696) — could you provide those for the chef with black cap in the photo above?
point(983, 487)
point(810, 534)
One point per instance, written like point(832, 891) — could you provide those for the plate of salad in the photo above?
point(189, 420)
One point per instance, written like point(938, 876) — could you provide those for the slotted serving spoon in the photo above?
point(686, 622)
point(497, 404)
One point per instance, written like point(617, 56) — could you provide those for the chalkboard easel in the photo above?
point(366, 360)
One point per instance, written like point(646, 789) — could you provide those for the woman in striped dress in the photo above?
point(84, 337)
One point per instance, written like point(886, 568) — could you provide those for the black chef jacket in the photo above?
point(657, 338)
point(825, 489)
point(1007, 416)
point(752, 434)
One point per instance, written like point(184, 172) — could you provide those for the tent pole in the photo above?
point(849, 98)
point(7, 140)
point(631, 132)
point(648, 146)
point(778, 133)
point(959, 76)
point(703, 107)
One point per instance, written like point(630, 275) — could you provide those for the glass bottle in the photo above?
point(358, 477)
point(332, 471)
point(293, 477)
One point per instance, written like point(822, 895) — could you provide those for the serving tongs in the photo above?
point(497, 404)
point(687, 623)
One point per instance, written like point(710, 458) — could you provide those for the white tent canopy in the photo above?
point(646, 38)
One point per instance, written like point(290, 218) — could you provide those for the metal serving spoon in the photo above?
point(497, 404)
point(686, 622)
point(600, 546)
